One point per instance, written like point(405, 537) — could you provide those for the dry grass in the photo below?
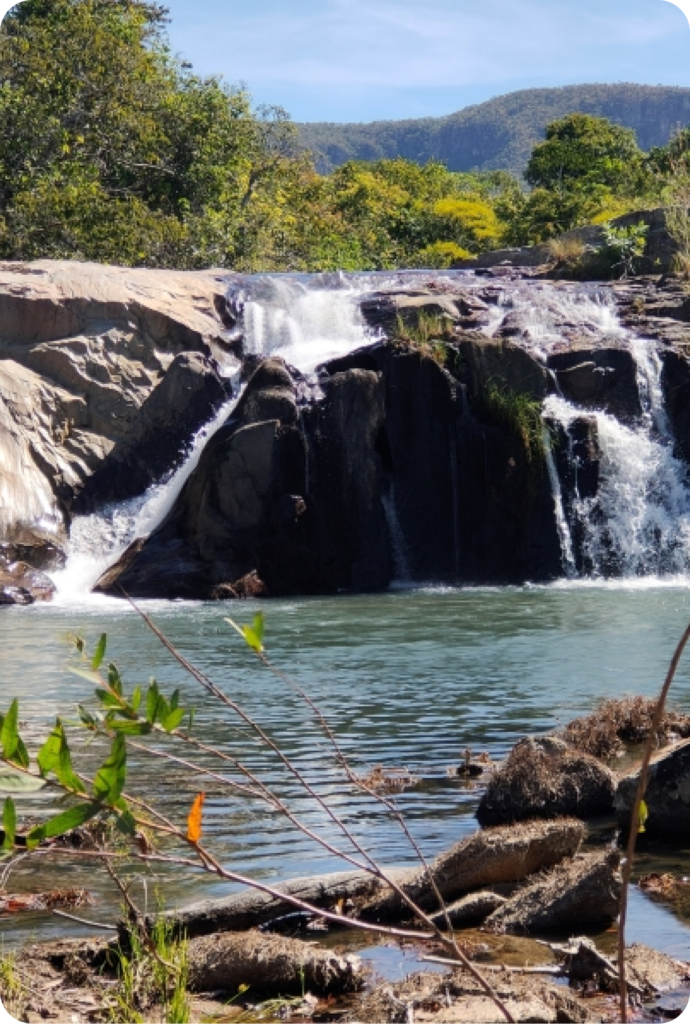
point(619, 722)
point(545, 778)
point(565, 250)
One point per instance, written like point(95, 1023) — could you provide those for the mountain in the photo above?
point(500, 133)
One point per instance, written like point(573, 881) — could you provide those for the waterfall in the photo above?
point(562, 525)
point(401, 561)
point(637, 522)
point(306, 321)
point(98, 540)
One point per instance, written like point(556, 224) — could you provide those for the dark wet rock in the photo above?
point(667, 796)
point(675, 381)
point(581, 893)
point(270, 395)
point(302, 509)
point(14, 595)
point(41, 554)
point(498, 361)
point(599, 378)
point(23, 584)
point(544, 777)
point(385, 428)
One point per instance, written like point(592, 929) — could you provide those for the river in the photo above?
point(406, 679)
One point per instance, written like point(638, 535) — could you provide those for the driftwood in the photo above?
point(270, 964)
point(489, 857)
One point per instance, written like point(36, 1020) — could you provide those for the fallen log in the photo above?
point(270, 964)
point(577, 894)
point(489, 857)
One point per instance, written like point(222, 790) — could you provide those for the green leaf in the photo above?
point(63, 823)
point(87, 718)
point(110, 777)
point(136, 699)
point(99, 653)
point(152, 701)
point(173, 719)
point(175, 701)
point(108, 699)
point(115, 679)
point(126, 823)
point(254, 634)
point(129, 728)
point(54, 756)
point(9, 736)
point(9, 823)
point(162, 709)
point(21, 754)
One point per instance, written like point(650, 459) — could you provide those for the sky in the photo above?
point(365, 60)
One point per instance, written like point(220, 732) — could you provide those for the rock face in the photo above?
point(394, 466)
point(83, 349)
point(420, 457)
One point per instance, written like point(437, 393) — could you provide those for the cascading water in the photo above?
point(637, 523)
point(306, 322)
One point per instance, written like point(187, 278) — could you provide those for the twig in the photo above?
point(635, 819)
point(543, 969)
point(82, 920)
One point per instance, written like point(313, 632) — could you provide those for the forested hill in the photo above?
point(500, 133)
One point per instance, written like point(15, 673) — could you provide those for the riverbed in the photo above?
point(406, 680)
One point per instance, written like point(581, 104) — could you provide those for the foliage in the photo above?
point(428, 335)
point(152, 973)
point(519, 413)
point(678, 226)
point(123, 719)
point(581, 152)
point(622, 249)
point(13, 991)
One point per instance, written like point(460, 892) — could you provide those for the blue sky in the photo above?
point(360, 60)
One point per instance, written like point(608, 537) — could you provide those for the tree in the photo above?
point(582, 152)
point(587, 169)
point(112, 149)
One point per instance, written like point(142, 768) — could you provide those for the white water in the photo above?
point(639, 522)
point(305, 325)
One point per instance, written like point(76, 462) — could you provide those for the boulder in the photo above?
point(20, 576)
point(599, 378)
point(667, 796)
point(82, 347)
point(578, 894)
point(544, 777)
point(189, 394)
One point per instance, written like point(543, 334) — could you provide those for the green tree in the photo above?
point(112, 149)
point(582, 153)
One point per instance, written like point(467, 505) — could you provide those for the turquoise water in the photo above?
point(406, 679)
